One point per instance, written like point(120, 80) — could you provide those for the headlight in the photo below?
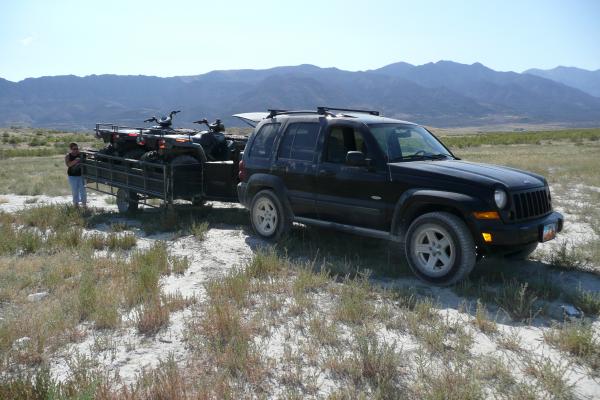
point(500, 197)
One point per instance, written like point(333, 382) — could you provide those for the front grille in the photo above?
point(531, 204)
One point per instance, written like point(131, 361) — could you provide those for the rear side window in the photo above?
point(263, 141)
point(299, 141)
point(340, 141)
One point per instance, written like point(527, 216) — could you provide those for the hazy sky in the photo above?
point(191, 37)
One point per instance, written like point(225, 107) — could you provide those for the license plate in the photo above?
point(549, 232)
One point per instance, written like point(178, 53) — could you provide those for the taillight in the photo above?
point(114, 137)
point(242, 174)
point(132, 134)
point(161, 144)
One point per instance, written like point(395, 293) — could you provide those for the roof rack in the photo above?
point(320, 111)
point(325, 110)
point(273, 113)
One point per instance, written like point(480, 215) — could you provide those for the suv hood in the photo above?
point(468, 173)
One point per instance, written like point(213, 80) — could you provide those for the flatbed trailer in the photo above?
point(134, 182)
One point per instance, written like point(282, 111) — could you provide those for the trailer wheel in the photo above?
point(127, 201)
point(198, 201)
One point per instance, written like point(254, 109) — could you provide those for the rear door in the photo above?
point(295, 165)
point(259, 151)
point(349, 194)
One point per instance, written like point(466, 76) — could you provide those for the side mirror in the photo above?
point(356, 159)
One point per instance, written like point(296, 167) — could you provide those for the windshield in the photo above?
point(400, 142)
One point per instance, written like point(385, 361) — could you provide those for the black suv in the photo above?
point(359, 172)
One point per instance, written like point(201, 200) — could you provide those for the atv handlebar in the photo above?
point(163, 119)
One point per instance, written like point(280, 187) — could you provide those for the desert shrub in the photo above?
point(151, 316)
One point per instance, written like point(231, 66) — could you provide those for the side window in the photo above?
point(299, 141)
point(340, 141)
point(263, 141)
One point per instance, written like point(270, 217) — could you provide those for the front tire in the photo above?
point(440, 248)
point(268, 217)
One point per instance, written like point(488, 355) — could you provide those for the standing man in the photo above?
point(73, 162)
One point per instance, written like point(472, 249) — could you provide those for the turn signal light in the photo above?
point(182, 140)
point(487, 237)
point(161, 144)
point(486, 215)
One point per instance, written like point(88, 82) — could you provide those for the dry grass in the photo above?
point(151, 316)
point(578, 339)
point(482, 320)
point(199, 230)
point(46, 253)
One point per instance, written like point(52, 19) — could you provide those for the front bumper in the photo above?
point(515, 234)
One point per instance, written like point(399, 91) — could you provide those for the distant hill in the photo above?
point(587, 81)
point(440, 94)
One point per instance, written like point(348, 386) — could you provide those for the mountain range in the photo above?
point(587, 81)
point(441, 94)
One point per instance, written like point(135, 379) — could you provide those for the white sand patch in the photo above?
point(130, 353)
point(15, 202)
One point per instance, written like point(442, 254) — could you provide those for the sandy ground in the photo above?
point(126, 353)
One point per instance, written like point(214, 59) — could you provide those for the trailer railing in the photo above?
point(148, 180)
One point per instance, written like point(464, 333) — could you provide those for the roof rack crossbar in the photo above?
point(273, 113)
point(324, 110)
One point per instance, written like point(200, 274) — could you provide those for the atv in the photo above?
point(190, 146)
point(132, 143)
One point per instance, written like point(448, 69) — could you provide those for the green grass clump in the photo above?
point(55, 216)
point(512, 138)
point(578, 339)
point(199, 230)
point(586, 300)
point(518, 300)
point(353, 306)
point(265, 263)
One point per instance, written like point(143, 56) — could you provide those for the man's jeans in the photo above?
point(78, 189)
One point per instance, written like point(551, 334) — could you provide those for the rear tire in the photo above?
point(151, 157)
point(127, 201)
point(134, 154)
point(184, 160)
point(108, 150)
point(440, 248)
point(268, 217)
